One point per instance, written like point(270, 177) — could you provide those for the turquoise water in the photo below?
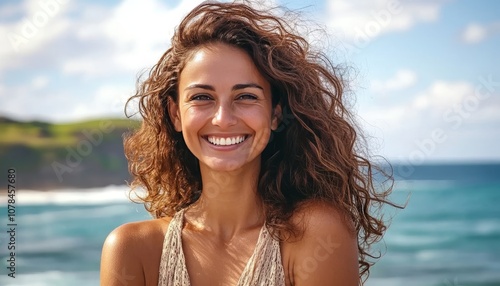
point(60, 243)
point(449, 233)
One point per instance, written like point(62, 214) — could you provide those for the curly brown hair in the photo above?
point(313, 155)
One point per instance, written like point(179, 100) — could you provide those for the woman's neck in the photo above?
point(229, 203)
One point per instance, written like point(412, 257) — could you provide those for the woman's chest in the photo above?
point(210, 261)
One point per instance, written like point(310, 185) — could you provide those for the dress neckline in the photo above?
point(263, 268)
point(179, 220)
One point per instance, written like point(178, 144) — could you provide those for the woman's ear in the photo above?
point(276, 117)
point(173, 112)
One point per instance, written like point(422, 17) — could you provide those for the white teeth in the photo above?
point(226, 141)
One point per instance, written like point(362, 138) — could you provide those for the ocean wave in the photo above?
point(92, 196)
point(53, 216)
point(407, 280)
point(486, 227)
point(416, 240)
point(52, 245)
point(434, 255)
point(424, 185)
point(55, 278)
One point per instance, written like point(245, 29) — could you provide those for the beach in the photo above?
point(448, 234)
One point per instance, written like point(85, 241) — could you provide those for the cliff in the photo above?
point(74, 155)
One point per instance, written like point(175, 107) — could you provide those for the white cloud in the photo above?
point(112, 98)
point(383, 116)
point(41, 101)
point(361, 21)
point(444, 100)
point(89, 40)
point(441, 95)
point(39, 82)
point(403, 78)
point(135, 33)
point(489, 113)
point(428, 104)
point(40, 24)
point(475, 33)
point(453, 108)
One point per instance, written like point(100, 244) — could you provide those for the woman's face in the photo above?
point(224, 108)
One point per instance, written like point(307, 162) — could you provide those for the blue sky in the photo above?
point(425, 74)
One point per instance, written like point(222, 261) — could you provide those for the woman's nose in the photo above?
point(224, 116)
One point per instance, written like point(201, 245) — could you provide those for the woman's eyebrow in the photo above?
point(202, 86)
point(235, 87)
point(246, 85)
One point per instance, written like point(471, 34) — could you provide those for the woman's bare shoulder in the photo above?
point(327, 250)
point(315, 216)
point(129, 238)
point(132, 252)
point(133, 231)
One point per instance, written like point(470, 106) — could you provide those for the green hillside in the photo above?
point(77, 155)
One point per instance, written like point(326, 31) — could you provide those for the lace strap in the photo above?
point(173, 270)
point(264, 266)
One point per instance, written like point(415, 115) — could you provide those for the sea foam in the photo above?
point(92, 196)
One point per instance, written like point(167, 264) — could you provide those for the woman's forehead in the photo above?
point(220, 64)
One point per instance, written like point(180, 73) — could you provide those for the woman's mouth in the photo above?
point(226, 141)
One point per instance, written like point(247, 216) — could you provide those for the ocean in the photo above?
point(448, 234)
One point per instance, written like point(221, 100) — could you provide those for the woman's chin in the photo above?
point(224, 165)
point(228, 165)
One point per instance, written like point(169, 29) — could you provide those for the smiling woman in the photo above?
point(249, 162)
point(230, 102)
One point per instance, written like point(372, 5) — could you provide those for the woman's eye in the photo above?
point(247, 96)
point(201, 97)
